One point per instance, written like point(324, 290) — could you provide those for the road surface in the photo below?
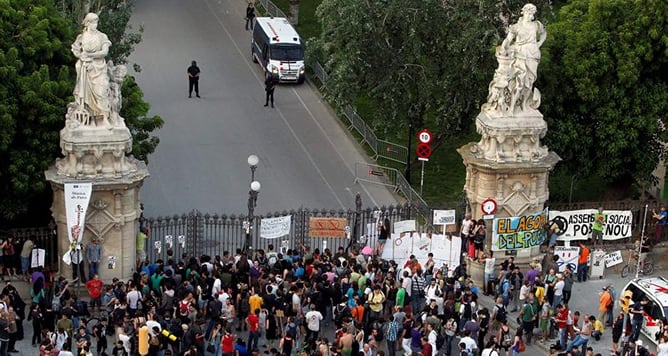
point(307, 158)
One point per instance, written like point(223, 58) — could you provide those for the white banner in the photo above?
point(404, 226)
point(37, 257)
point(568, 256)
point(446, 250)
point(613, 259)
point(577, 224)
point(77, 197)
point(273, 228)
point(444, 217)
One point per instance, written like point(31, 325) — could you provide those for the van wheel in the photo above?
point(253, 57)
point(300, 80)
point(625, 271)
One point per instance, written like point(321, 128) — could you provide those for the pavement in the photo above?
point(307, 157)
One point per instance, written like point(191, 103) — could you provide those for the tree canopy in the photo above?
point(604, 72)
point(37, 79)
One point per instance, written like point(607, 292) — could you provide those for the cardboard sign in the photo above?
point(613, 259)
point(327, 227)
point(568, 256)
point(405, 226)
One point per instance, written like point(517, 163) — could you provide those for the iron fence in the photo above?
point(213, 234)
point(44, 238)
point(272, 9)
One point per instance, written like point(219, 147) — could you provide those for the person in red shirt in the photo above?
point(426, 347)
point(253, 322)
point(562, 323)
point(95, 286)
point(227, 342)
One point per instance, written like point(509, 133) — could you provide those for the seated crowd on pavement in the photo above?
point(312, 302)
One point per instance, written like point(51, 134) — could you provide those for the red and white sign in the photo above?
point(423, 151)
point(489, 206)
point(424, 136)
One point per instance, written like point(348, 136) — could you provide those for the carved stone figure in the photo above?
point(523, 44)
point(116, 75)
point(91, 91)
point(518, 58)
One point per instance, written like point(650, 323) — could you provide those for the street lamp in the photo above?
point(252, 163)
point(254, 190)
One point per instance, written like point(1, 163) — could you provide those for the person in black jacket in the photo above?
point(269, 84)
point(250, 15)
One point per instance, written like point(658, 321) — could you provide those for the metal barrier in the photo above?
point(43, 237)
point(380, 148)
point(320, 73)
point(206, 234)
point(272, 9)
point(373, 173)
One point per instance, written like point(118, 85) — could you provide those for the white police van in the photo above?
point(278, 48)
point(655, 289)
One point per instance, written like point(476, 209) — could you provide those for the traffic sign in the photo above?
point(424, 136)
point(423, 150)
point(489, 206)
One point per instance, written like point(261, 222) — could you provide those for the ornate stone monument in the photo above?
point(509, 164)
point(95, 144)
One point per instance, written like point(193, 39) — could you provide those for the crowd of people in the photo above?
point(312, 302)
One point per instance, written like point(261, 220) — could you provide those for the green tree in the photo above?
point(603, 75)
point(35, 86)
point(421, 62)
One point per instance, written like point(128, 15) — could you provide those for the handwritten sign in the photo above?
point(568, 256)
point(405, 226)
point(273, 228)
point(327, 227)
point(444, 217)
point(519, 232)
point(613, 259)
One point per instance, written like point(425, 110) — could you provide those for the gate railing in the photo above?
point(44, 238)
point(214, 234)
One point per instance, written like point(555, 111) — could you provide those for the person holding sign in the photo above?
point(597, 226)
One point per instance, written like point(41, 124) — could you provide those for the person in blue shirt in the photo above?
point(661, 220)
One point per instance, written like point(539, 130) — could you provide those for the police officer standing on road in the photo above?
point(250, 15)
point(193, 79)
point(269, 84)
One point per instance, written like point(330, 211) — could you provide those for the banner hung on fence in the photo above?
point(327, 227)
point(577, 224)
point(568, 257)
point(444, 217)
point(273, 228)
point(405, 226)
point(519, 232)
point(446, 250)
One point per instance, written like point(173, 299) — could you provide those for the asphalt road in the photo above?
point(307, 157)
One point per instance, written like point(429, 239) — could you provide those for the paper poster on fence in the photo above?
point(577, 224)
point(519, 232)
point(327, 227)
point(568, 256)
point(37, 257)
point(404, 226)
point(445, 250)
point(613, 259)
point(273, 228)
point(444, 217)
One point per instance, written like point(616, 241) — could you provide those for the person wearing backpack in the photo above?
point(518, 343)
point(490, 349)
point(499, 314)
point(528, 317)
point(392, 329)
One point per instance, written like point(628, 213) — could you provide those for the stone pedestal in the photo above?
point(112, 218)
point(98, 155)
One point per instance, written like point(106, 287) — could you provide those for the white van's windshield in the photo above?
point(287, 53)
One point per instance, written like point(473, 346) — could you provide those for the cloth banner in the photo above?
point(446, 250)
point(568, 256)
point(77, 197)
point(577, 224)
point(327, 227)
point(613, 259)
point(273, 228)
point(37, 258)
point(444, 217)
point(405, 226)
point(519, 232)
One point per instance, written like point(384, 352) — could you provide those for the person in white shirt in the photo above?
point(431, 338)
point(490, 272)
point(471, 345)
point(490, 349)
point(313, 318)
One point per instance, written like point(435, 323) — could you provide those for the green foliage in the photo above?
point(604, 72)
point(35, 83)
point(427, 62)
point(135, 111)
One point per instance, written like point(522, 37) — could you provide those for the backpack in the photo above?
point(500, 314)
point(440, 339)
point(213, 309)
point(291, 330)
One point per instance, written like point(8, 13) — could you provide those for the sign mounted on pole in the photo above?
point(423, 151)
point(424, 136)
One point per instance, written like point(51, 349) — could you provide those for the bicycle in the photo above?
point(632, 263)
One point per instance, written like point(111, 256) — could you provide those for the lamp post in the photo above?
point(252, 201)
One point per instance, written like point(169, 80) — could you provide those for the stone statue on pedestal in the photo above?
point(518, 58)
